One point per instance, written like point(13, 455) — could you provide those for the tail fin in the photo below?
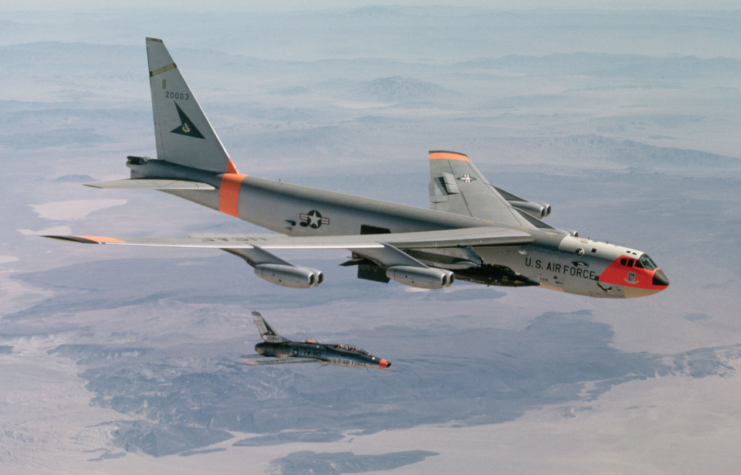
point(266, 332)
point(182, 131)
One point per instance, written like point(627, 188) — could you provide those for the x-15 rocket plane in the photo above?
point(309, 351)
point(474, 232)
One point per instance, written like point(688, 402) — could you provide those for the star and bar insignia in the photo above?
point(313, 219)
point(466, 178)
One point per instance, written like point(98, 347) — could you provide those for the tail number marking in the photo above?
point(177, 95)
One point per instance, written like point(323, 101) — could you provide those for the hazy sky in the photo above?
point(297, 5)
point(613, 117)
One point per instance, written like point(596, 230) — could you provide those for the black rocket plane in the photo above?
point(282, 351)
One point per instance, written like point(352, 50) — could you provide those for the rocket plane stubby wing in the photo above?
point(284, 361)
point(266, 331)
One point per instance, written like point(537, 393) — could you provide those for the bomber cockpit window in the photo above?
point(647, 263)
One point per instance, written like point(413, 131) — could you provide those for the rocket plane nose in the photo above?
point(384, 364)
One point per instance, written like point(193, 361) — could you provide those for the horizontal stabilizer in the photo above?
point(151, 184)
point(449, 238)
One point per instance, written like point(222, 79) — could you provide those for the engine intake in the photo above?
point(290, 276)
point(421, 277)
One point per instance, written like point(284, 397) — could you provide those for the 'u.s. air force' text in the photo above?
point(563, 269)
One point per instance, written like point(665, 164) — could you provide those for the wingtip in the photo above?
point(71, 238)
point(85, 239)
point(154, 39)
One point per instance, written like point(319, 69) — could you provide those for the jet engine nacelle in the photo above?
point(289, 276)
point(422, 277)
point(535, 209)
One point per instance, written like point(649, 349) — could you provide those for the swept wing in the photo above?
point(448, 238)
point(458, 187)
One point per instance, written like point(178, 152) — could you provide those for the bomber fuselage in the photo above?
point(554, 260)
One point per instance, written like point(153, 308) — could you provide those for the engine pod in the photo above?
point(535, 209)
point(289, 276)
point(421, 277)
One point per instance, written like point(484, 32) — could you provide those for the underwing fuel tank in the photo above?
point(290, 276)
point(424, 278)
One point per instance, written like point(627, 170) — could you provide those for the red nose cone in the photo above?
point(384, 364)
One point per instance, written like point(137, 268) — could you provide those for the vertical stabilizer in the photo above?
point(182, 131)
point(266, 332)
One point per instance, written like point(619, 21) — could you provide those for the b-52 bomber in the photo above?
point(288, 352)
point(475, 231)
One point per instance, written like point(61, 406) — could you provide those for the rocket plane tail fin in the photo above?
point(266, 331)
point(182, 131)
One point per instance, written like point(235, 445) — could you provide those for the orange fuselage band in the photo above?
point(229, 193)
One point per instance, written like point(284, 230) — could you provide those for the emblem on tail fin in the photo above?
point(186, 127)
